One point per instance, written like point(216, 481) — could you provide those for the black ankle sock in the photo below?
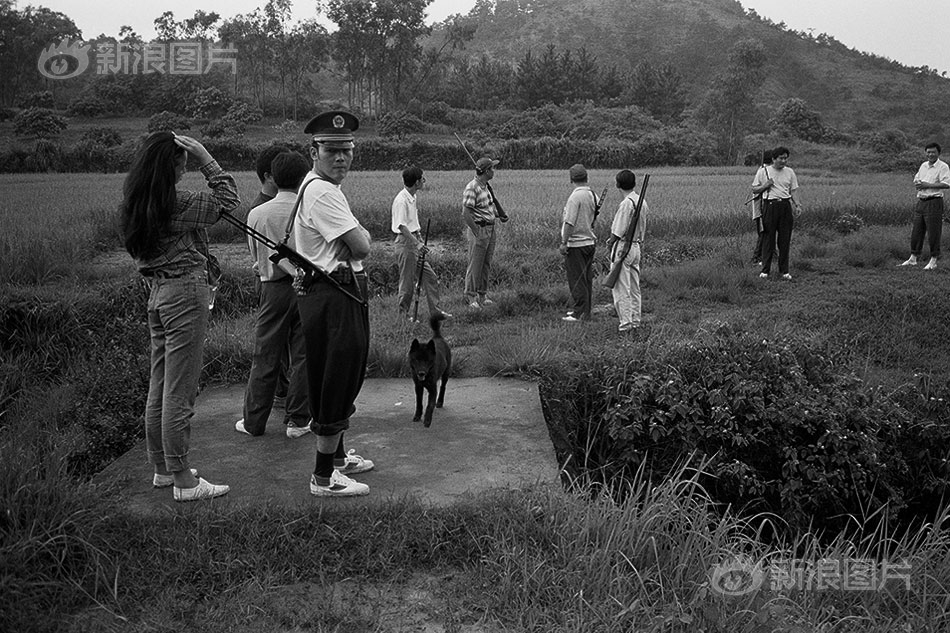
point(324, 467)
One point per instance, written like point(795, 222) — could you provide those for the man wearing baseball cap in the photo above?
point(480, 213)
point(335, 316)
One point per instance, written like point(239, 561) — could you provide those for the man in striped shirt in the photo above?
point(480, 212)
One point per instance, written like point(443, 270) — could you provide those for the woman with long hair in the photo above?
point(165, 231)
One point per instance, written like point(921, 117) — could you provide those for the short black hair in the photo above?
point(767, 157)
point(626, 180)
point(411, 175)
point(934, 144)
point(778, 151)
point(289, 169)
point(266, 157)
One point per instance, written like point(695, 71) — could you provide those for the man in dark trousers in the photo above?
point(779, 197)
point(334, 314)
point(578, 244)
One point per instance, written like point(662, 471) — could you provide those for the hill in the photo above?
point(853, 91)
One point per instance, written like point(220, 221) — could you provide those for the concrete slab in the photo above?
point(489, 434)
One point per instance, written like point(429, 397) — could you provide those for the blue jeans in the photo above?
point(928, 220)
point(481, 247)
point(177, 323)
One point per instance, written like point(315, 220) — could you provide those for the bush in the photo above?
point(42, 99)
point(104, 136)
point(848, 223)
point(87, 106)
point(208, 102)
point(785, 433)
point(399, 124)
point(223, 128)
point(241, 112)
point(169, 121)
point(38, 123)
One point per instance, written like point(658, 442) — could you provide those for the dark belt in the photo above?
point(484, 223)
point(340, 275)
point(164, 274)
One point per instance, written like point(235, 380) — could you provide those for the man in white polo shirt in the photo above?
point(931, 179)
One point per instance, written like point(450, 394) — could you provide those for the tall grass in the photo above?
point(55, 237)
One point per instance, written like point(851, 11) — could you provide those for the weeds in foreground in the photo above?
point(531, 560)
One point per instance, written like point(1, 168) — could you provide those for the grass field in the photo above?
point(530, 560)
point(56, 221)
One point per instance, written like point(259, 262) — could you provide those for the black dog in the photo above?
point(428, 363)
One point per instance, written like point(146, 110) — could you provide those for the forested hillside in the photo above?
point(648, 81)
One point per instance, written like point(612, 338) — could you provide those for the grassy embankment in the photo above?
point(528, 560)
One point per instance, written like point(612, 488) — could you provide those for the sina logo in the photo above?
point(737, 577)
point(64, 60)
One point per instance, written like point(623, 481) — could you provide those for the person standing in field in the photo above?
point(578, 244)
point(760, 177)
point(626, 292)
point(410, 247)
point(278, 327)
point(268, 190)
point(931, 179)
point(333, 307)
point(480, 212)
point(779, 195)
point(165, 232)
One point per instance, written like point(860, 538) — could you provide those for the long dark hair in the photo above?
point(149, 193)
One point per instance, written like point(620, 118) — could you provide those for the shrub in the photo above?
point(848, 223)
point(38, 123)
point(208, 102)
point(398, 124)
point(223, 128)
point(87, 106)
point(104, 136)
point(42, 99)
point(7, 113)
point(166, 120)
point(784, 431)
point(242, 112)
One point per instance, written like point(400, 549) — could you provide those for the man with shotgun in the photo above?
point(411, 248)
point(480, 210)
point(626, 238)
point(578, 243)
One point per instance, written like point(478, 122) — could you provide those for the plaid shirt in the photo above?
point(477, 198)
point(184, 243)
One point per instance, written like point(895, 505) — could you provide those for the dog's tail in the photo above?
point(435, 322)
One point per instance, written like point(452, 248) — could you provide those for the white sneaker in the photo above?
point(486, 301)
point(164, 481)
point(787, 277)
point(570, 318)
point(204, 490)
point(293, 432)
point(354, 464)
point(475, 305)
point(239, 427)
point(931, 264)
point(763, 275)
point(911, 261)
point(340, 486)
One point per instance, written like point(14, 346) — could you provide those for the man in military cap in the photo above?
point(480, 213)
point(335, 316)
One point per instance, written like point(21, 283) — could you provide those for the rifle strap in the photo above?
point(293, 212)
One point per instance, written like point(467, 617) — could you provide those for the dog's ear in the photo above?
point(431, 346)
point(415, 344)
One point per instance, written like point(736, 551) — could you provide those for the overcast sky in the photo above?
point(891, 28)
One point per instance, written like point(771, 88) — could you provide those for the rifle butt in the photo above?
point(611, 279)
